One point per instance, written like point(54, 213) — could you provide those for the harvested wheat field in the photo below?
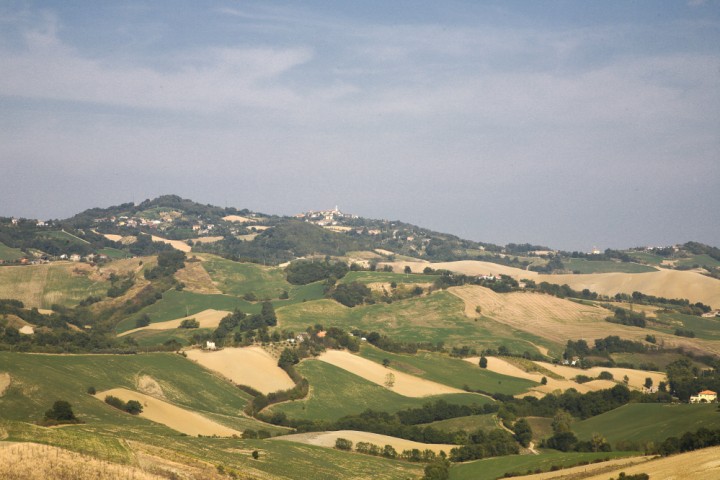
point(250, 366)
point(238, 218)
point(180, 419)
point(176, 244)
point(560, 320)
point(466, 267)
point(664, 283)
point(636, 378)
point(29, 461)
point(499, 365)
point(209, 318)
point(196, 279)
point(698, 465)
point(206, 239)
point(404, 384)
point(327, 439)
point(4, 382)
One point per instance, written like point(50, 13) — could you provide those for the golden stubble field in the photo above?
point(403, 383)
point(327, 439)
point(560, 320)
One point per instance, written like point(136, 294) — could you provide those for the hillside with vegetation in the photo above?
point(180, 340)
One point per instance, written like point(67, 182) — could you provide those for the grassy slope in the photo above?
point(471, 423)
point(42, 285)
point(587, 266)
point(8, 253)
point(492, 468)
point(705, 328)
point(386, 277)
point(649, 422)
point(449, 371)
point(37, 380)
point(431, 318)
point(236, 278)
point(336, 392)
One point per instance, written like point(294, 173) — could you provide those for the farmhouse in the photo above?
point(706, 396)
point(210, 345)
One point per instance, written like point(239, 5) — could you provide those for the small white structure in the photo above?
point(706, 396)
point(210, 345)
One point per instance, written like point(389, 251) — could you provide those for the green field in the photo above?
point(450, 371)
point(541, 427)
point(492, 468)
point(705, 328)
point(387, 277)
point(236, 278)
point(660, 359)
point(645, 422)
point(470, 423)
point(38, 380)
point(702, 260)
point(9, 254)
point(431, 318)
point(335, 392)
point(604, 266)
point(42, 286)
point(647, 257)
point(114, 253)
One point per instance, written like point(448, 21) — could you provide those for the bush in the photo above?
point(61, 412)
point(189, 323)
point(343, 444)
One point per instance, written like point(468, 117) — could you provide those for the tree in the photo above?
point(133, 407)
point(189, 323)
point(483, 361)
point(61, 412)
point(142, 321)
point(386, 362)
point(543, 381)
point(648, 382)
point(438, 469)
point(343, 444)
point(390, 380)
point(523, 432)
point(255, 454)
point(407, 269)
point(561, 421)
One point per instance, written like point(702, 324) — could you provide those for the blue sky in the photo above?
point(570, 124)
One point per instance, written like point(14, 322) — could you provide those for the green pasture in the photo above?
point(431, 318)
point(114, 253)
point(177, 304)
point(42, 286)
point(647, 258)
point(387, 277)
point(335, 392)
point(704, 328)
point(148, 338)
point(645, 422)
point(471, 423)
point(492, 468)
point(604, 266)
point(63, 236)
point(541, 427)
point(236, 278)
point(703, 260)
point(450, 371)
point(9, 254)
point(661, 359)
point(38, 380)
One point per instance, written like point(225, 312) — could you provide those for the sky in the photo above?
point(570, 124)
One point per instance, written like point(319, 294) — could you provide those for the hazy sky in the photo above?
point(566, 123)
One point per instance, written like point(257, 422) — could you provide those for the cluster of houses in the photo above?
point(325, 217)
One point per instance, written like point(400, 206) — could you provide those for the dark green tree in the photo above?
point(61, 412)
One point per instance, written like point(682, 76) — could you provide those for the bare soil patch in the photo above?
point(404, 384)
point(196, 279)
point(250, 366)
point(26, 461)
point(327, 439)
point(209, 318)
point(4, 382)
point(177, 418)
point(149, 386)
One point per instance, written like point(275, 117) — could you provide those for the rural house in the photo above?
point(706, 396)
